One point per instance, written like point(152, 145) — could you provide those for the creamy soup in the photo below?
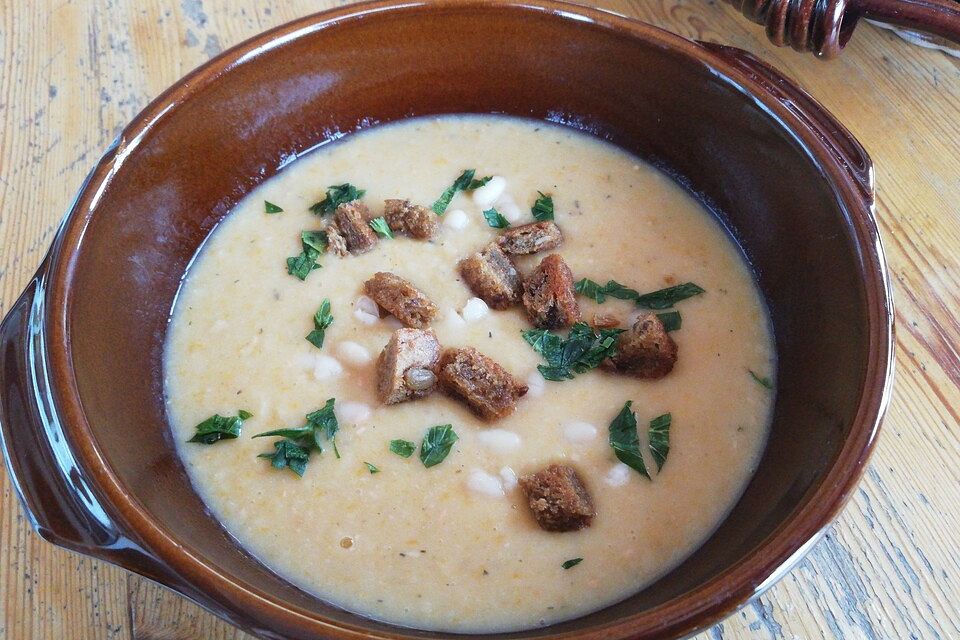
point(454, 547)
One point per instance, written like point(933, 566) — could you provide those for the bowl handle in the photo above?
point(840, 142)
point(60, 503)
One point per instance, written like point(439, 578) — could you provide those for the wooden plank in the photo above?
point(76, 71)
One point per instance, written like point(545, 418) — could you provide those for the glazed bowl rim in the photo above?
point(686, 613)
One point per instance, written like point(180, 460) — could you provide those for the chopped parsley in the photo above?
point(313, 244)
point(217, 427)
point(381, 227)
point(269, 207)
point(572, 562)
point(543, 208)
point(464, 181)
point(763, 381)
point(584, 349)
point(476, 184)
point(659, 437)
point(372, 468)
point(436, 444)
point(495, 219)
point(672, 321)
point(625, 442)
point(403, 448)
point(660, 299)
point(299, 442)
point(337, 194)
point(322, 319)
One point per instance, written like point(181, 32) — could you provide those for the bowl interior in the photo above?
point(187, 171)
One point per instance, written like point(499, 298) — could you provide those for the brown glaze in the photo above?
point(81, 409)
point(825, 26)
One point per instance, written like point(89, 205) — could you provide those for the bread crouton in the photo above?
point(558, 498)
point(335, 242)
point(645, 350)
point(531, 238)
point(486, 387)
point(351, 220)
point(549, 296)
point(405, 368)
point(492, 277)
point(410, 219)
point(398, 297)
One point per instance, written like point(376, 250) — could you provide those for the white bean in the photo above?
point(353, 412)
point(509, 209)
point(499, 440)
point(365, 310)
point(475, 309)
point(456, 219)
point(326, 367)
point(618, 475)
point(353, 353)
point(579, 431)
point(509, 478)
point(536, 384)
point(488, 193)
point(481, 482)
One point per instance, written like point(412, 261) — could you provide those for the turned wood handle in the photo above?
point(825, 26)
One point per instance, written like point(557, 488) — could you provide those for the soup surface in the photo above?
point(454, 547)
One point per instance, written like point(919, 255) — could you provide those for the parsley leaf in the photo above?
point(672, 321)
point(666, 298)
point(322, 319)
point(476, 184)
point(591, 289)
point(616, 290)
point(337, 194)
point(763, 381)
point(543, 208)
point(659, 437)
point(403, 448)
point(299, 442)
point(584, 349)
point(436, 444)
point(217, 427)
point(288, 454)
point(572, 562)
point(269, 207)
point(372, 468)
point(495, 219)
point(381, 227)
point(462, 182)
point(313, 243)
point(625, 442)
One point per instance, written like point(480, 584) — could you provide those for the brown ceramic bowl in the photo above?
point(83, 425)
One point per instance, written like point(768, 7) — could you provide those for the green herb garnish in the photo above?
point(299, 442)
point(672, 321)
point(288, 454)
point(313, 243)
point(572, 562)
point(381, 227)
point(462, 182)
point(322, 319)
point(584, 349)
point(661, 299)
point(659, 437)
point(217, 427)
point(591, 289)
point(372, 468)
point(625, 442)
point(762, 380)
point(337, 194)
point(403, 448)
point(476, 184)
point(543, 208)
point(495, 219)
point(436, 444)
point(269, 207)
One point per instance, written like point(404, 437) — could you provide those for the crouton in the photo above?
point(411, 219)
point(549, 295)
point(604, 321)
point(401, 299)
point(645, 350)
point(405, 368)
point(558, 498)
point(351, 219)
point(335, 242)
point(486, 387)
point(492, 277)
point(531, 238)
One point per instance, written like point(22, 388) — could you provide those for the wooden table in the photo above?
point(75, 71)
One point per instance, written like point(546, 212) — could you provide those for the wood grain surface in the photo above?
point(75, 71)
